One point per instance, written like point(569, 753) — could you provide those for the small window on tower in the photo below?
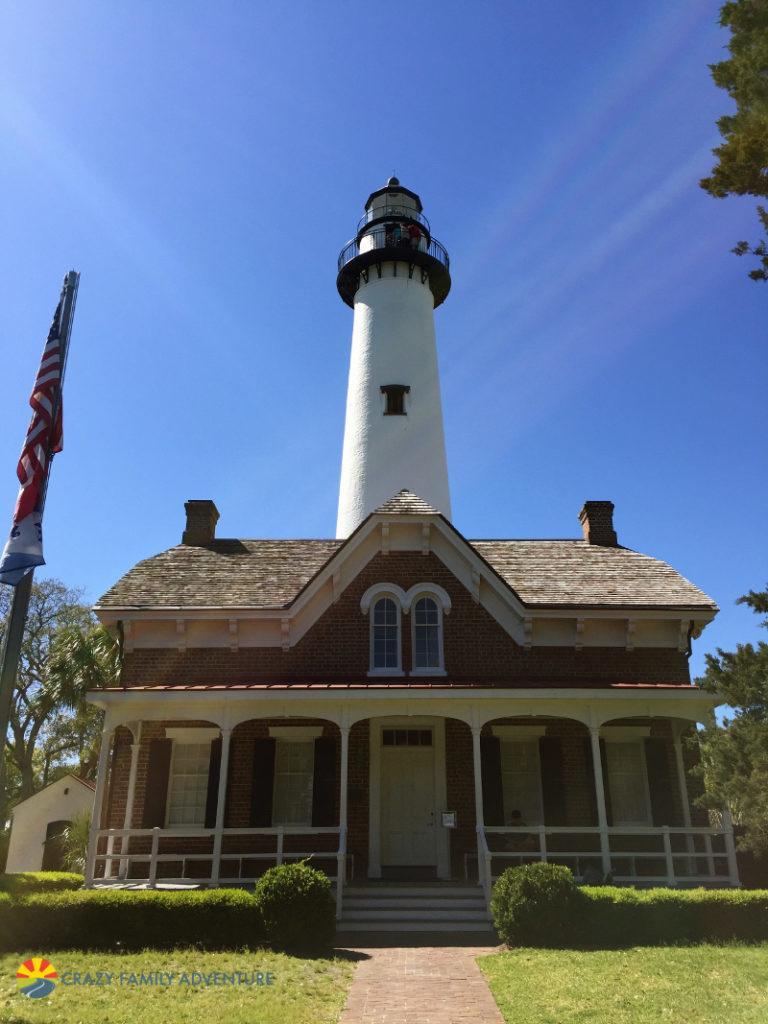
point(394, 399)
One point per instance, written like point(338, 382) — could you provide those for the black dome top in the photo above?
point(394, 183)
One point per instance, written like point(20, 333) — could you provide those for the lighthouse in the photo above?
point(393, 274)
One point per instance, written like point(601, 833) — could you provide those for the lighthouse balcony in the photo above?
point(392, 242)
point(379, 214)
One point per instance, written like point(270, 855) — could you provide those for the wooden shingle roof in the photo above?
point(573, 572)
point(271, 573)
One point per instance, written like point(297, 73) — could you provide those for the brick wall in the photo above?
point(477, 649)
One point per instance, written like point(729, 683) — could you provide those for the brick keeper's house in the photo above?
point(415, 710)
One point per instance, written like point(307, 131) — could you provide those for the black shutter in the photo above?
point(606, 783)
point(324, 782)
point(490, 773)
point(262, 782)
point(659, 782)
point(214, 772)
point(156, 792)
point(552, 782)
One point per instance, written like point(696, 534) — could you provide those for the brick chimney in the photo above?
point(202, 517)
point(596, 518)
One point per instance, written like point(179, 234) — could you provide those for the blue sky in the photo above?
point(203, 164)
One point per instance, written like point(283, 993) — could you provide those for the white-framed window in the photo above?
point(427, 635)
point(294, 776)
point(385, 635)
point(628, 782)
point(521, 782)
point(188, 784)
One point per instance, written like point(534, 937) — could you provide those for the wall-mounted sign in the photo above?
point(449, 819)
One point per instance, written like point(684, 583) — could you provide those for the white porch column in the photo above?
point(98, 801)
point(483, 863)
point(602, 816)
point(341, 860)
point(131, 794)
point(221, 800)
point(343, 778)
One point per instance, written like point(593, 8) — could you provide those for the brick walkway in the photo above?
point(424, 985)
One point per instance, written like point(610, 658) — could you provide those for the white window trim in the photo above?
point(377, 592)
point(519, 732)
point(182, 737)
point(624, 733)
point(439, 669)
point(635, 735)
point(296, 733)
point(192, 735)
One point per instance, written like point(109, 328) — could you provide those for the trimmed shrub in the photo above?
point(25, 882)
point(613, 917)
point(297, 908)
point(535, 905)
point(130, 920)
point(540, 905)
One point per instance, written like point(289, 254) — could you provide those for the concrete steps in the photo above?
point(414, 908)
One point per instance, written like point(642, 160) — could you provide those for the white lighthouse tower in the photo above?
point(393, 274)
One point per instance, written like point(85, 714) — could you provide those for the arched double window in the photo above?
point(386, 603)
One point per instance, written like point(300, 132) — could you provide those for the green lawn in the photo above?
point(673, 985)
point(303, 992)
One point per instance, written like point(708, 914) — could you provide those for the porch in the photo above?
point(214, 787)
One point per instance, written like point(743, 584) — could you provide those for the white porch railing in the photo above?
point(637, 855)
point(122, 865)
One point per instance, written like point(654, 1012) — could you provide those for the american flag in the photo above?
point(44, 436)
point(24, 548)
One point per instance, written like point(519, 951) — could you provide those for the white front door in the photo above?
point(408, 797)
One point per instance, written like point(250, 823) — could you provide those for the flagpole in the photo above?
point(14, 634)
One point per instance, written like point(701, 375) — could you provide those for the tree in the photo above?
point(75, 842)
point(742, 167)
point(734, 757)
point(64, 653)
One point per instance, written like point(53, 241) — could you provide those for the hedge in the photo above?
point(540, 905)
point(120, 919)
point(130, 920)
point(616, 917)
point(24, 882)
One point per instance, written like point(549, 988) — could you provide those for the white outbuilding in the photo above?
point(38, 821)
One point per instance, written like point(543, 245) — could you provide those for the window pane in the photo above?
point(407, 737)
point(294, 770)
point(521, 780)
point(386, 640)
point(188, 788)
point(426, 634)
point(627, 783)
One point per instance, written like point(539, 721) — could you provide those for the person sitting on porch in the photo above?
point(523, 842)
